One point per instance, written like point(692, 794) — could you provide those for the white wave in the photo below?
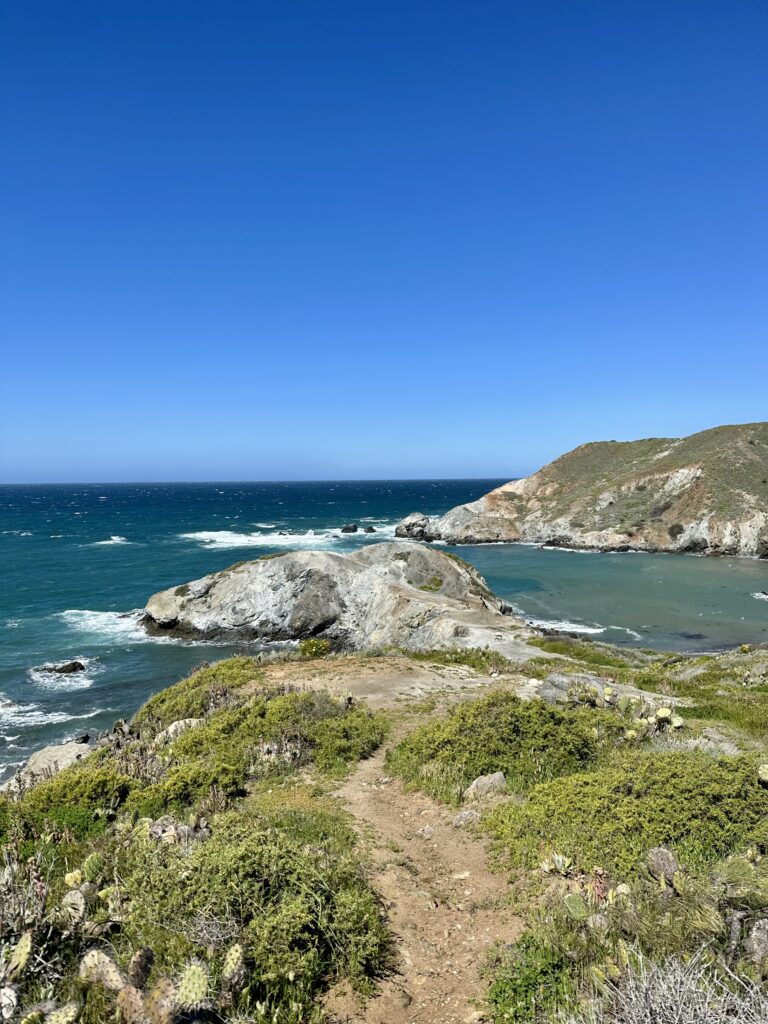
point(114, 539)
point(561, 625)
point(222, 540)
point(105, 627)
point(12, 623)
point(760, 595)
point(17, 533)
point(46, 679)
point(266, 526)
point(12, 714)
point(628, 631)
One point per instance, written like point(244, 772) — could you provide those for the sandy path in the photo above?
point(444, 906)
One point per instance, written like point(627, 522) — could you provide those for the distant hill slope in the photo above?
point(705, 493)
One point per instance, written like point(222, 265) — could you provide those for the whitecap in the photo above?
point(104, 627)
point(226, 539)
point(114, 539)
point(760, 595)
point(12, 623)
point(561, 625)
point(12, 713)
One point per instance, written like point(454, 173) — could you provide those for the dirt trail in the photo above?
point(444, 906)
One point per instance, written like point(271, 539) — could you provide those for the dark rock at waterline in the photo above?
point(370, 529)
point(349, 528)
point(65, 667)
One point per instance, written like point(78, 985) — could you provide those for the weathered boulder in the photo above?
point(756, 944)
point(46, 763)
point(485, 785)
point(662, 863)
point(174, 730)
point(384, 595)
point(349, 528)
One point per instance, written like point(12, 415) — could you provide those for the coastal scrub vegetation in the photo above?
point(634, 829)
point(528, 740)
point(196, 871)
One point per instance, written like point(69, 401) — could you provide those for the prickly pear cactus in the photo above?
point(161, 1002)
point(93, 867)
point(19, 957)
point(233, 971)
point(131, 1006)
point(140, 966)
point(192, 990)
point(65, 1015)
point(576, 906)
point(96, 968)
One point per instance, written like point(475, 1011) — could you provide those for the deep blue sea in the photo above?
point(76, 559)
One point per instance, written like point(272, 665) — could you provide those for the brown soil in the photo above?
point(445, 907)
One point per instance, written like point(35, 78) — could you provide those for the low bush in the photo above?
point(528, 740)
point(203, 690)
point(580, 650)
point(701, 806)
point(314, 647)
point(482, 659)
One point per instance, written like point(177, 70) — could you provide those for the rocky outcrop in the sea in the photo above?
point(705, 494)
point(384, 595)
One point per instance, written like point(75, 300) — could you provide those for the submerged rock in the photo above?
point(65, 667)
point(384, 595)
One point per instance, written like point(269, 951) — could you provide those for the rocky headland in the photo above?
point(386, 595)
point(704, 494)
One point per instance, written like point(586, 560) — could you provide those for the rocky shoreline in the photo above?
point(705, 494)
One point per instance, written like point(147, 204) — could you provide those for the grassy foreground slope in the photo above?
point(633, 826)
point(197, 873)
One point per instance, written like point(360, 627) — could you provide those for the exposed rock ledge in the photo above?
point(385, 595)
point(703, 494)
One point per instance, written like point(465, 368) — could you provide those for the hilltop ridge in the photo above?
point(706, 493)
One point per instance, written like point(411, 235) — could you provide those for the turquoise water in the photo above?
point(76, 559)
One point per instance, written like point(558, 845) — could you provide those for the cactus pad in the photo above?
point(93, 867)
point(130, 1003)
point(232, 971)
point(19, 957)
point(161, 1002)
point(64, 1015)
point(192, 990)
point(140, 966)
point(96, 968)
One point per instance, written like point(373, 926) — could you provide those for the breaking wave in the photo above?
point(221, 540)
point(25, 715)
point(761, 595)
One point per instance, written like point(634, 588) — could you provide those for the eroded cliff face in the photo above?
point(707, 493)
point(402, 595)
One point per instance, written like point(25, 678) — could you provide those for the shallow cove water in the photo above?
point(76, 559)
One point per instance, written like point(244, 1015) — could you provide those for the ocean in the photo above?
point(80, 561)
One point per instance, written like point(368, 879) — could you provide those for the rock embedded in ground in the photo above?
point(707, 494)
point(45, 763)
point(485, 785)
point(384, 595)
point(662, 863)
point(465, 818)
point(756, 944)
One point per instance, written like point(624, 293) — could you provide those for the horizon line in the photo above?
point(294, 480)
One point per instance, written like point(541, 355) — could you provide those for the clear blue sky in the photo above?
point(347, 238)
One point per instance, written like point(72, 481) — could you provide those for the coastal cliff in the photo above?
point(707, 494)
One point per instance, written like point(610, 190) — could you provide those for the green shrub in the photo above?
point(194, 696)
point(314, 647)
point(433, 584)
point(702, 807)
point(481, 659)
point(71, 798)
point(528, 740)
point(580, 650)
point(303, 911)
point(529, 980)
